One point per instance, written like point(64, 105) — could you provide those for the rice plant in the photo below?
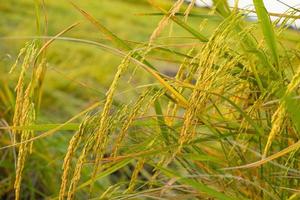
point(205, 106)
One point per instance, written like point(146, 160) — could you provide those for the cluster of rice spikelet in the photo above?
point(136, 111)
point(24, 112)
point(165, 20)
point(207, 76)
point(95, 141)
point(184, 74)
point(279, 116)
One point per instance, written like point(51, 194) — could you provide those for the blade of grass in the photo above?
point(197, 185)
point(51, 132)
point(181, 23)
point(123, 45)
point(247, 117)
point(197, 157)
point(204, 16)
point(110, 35)
point(222, 7)
point(293, 108)
point(107, 172)
point(274, 14)
point(161, 121)
point(44, 47)
point(188, 28)
point(267, 29)
point(279, 154)
point(45, 127)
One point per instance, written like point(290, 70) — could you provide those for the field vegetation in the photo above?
point(148, 99)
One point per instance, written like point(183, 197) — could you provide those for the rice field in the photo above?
point(143, 100)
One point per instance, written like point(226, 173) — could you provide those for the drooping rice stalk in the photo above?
point(279, 116)
point(165, 20)
point(24, 112)
point(185, 73)
point(129, 120)
point(207, 75)
point(73, 145)
point(94, 143)
point(101, 137)
point(133, 180)
point(189, 9)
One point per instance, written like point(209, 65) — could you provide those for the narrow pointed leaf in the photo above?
point(267, 28)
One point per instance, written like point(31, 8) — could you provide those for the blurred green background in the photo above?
point(80, 72)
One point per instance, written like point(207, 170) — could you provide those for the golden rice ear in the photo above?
point(184, 74)
point(129, 120)
point(188, 10)
point(94, 143)
point(133, 180)
point(81, 142)
point(279, 117)
point(73, 145)
point(165, 21)
point(24, 112)
point(207, 76)
point(101, 135)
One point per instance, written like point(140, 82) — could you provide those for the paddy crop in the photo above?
point(148, 100)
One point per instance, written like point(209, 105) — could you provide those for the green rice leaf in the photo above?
point(107, 172)
point(192, 31)
point(267, 29)
point(197, 185)
point(161, 121)
point(222, 7)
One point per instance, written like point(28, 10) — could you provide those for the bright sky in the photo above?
point(271, 5)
